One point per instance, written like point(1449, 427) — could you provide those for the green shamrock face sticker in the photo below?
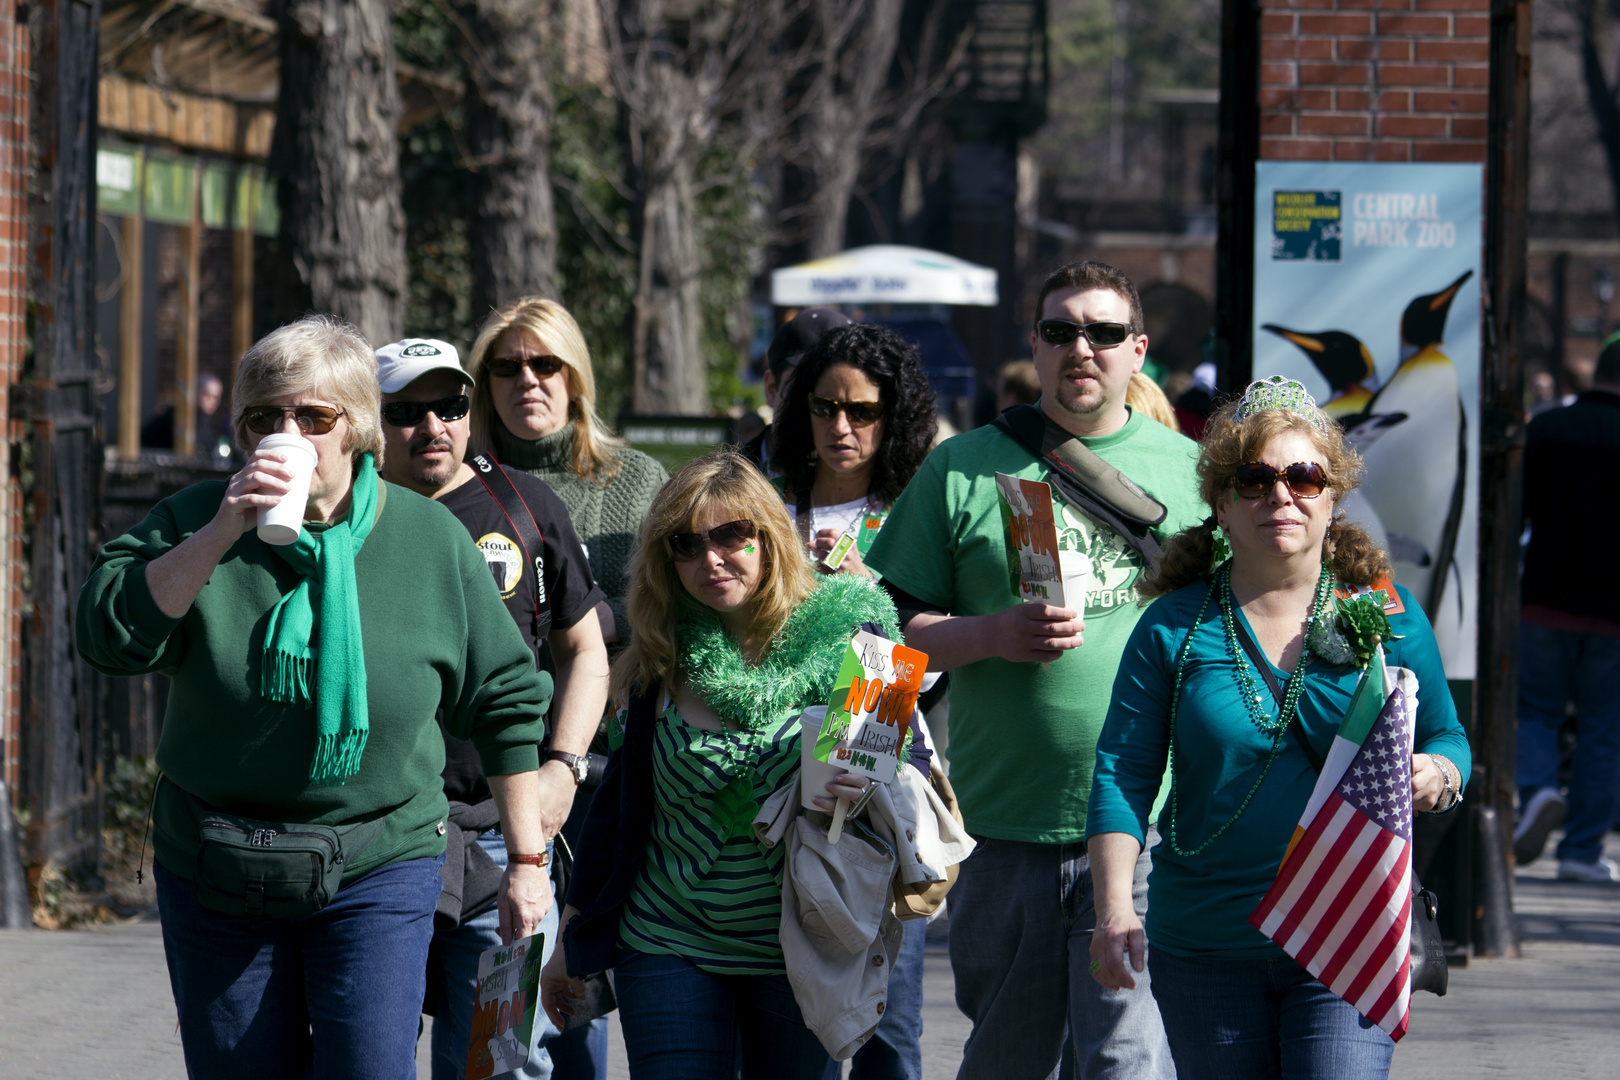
point(749, 550)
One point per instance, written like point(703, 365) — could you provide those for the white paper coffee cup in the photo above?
point(813, 774)
point(1075, 566)
point(281, 523)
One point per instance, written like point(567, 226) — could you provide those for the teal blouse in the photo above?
point(1199, 905)
point(708, 892)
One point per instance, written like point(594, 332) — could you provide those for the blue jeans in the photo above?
point(1021, 922)
point(453, 976)
point(336, 995)
point(894, 1052)
point(1262, 1020)
point(683, 1023)
point(580, 1054)
point(1556, 667)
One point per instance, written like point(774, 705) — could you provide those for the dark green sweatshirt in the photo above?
point(435, 634)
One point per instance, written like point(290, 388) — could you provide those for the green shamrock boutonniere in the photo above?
point(1352, 634)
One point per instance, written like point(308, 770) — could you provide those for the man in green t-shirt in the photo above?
point(1030, 686)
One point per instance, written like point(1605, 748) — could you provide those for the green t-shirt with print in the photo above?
point(1023, 737)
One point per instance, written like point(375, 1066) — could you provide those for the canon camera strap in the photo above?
point(505, 494)
point(1087, 482)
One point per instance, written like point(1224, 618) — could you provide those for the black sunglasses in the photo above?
point(1305, 479)
point(859, 412)
point(728, 538)
point(1102, 335)
point(311, 419)
point(542, 366)
point(411, 413)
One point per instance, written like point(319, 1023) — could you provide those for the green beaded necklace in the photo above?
point(1222, 585)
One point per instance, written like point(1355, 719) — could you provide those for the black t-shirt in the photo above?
point(567, 592)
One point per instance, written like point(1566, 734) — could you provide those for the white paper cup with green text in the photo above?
point(281, 523)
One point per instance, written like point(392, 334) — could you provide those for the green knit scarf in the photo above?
point(802, 663)
point(313, 639)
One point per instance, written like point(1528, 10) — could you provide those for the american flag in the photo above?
point(1342, 901)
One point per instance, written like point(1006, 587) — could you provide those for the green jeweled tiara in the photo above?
point(1278, 393)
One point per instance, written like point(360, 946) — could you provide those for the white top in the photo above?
point(840, 517)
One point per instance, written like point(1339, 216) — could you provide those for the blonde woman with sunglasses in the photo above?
point(732, 636)
point(534, 408)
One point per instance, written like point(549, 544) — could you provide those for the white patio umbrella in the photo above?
point(884, 274)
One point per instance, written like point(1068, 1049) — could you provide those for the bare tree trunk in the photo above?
point(669, 314)
point(508, 128)
point(335, 155)
point(672, 376)
point(670, 111)
point(1599, 94)
point(856, 41)
point(688, 75)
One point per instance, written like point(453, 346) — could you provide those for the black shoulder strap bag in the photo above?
point(1086, 481)
point(1428, 951)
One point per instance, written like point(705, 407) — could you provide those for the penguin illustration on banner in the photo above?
point(1343, 360)
point(1412, 434)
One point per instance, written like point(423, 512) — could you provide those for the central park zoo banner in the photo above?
point(1366, 289)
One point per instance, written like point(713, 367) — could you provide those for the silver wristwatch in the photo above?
point(579, 764)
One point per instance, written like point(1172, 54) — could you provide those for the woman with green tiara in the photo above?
point(1273, 469)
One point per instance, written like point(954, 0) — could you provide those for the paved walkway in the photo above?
point(97, 1003)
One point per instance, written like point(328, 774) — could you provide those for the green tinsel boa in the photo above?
point(803, 660)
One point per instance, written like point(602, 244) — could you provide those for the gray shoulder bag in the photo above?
point(1087, 482)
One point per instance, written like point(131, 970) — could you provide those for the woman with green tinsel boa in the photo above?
point(733, 635)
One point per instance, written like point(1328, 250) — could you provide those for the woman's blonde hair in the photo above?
point(1144, 395)
point(318, 354)
point(655, 596)
point(1189, 555)
point(595, 446)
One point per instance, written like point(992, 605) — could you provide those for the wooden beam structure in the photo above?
point(141, 111)
point(129, 337)
point(185, 343)
point(62, 774)
point(241, 296)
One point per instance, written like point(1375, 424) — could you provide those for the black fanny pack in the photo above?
point(268, 869)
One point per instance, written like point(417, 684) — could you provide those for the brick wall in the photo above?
point(1374, 80)
point(14, 171)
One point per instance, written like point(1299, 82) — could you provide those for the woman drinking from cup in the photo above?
point(1243, 764)
point(733, 636)
point(299, 822)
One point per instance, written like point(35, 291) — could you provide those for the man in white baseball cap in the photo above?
point(542, 574)
point(425, 403)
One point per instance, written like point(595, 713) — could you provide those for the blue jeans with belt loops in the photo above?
point(336, 995)
point(1260, 1019)
point(1021, 921)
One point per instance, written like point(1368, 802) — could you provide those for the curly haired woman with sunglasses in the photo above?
point(305, 682)
point(733, 635)
point(856, 424)
point(1248, 604)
